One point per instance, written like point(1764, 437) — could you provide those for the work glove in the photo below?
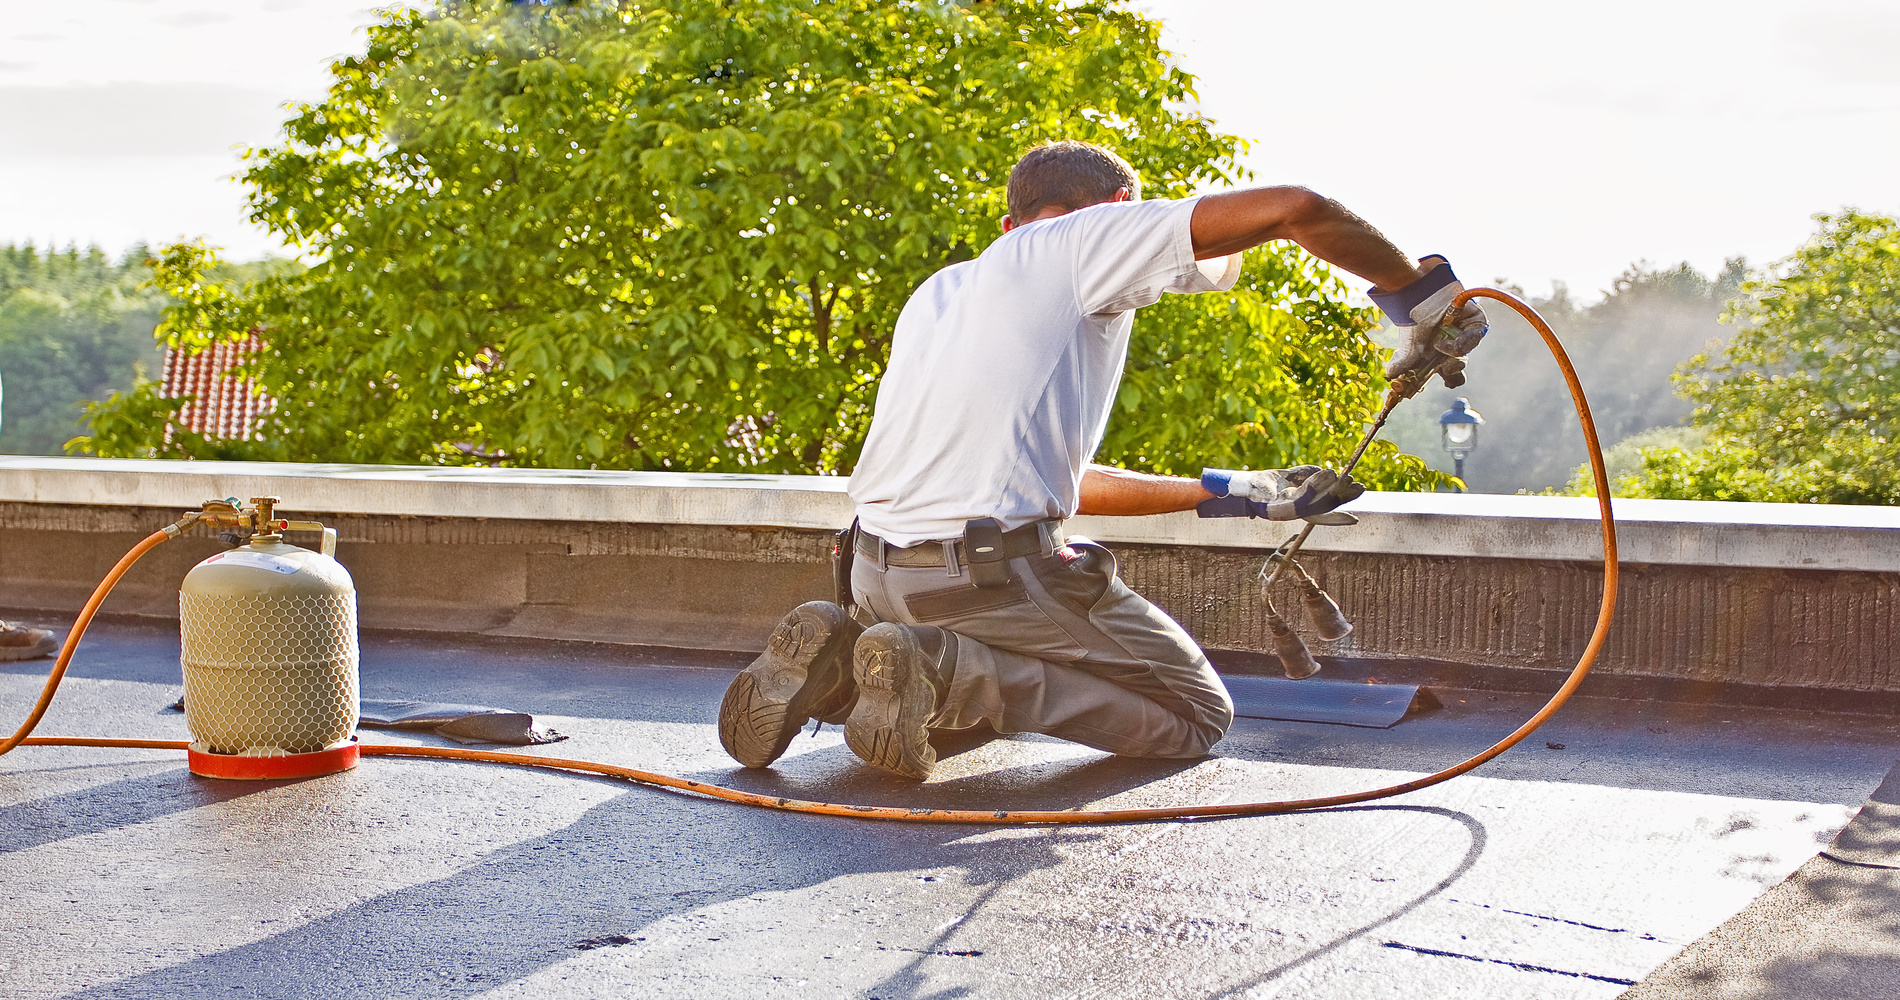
point(1304, 491)
point(1433, 343)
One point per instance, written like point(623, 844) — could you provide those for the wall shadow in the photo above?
point(1832, 929)
point(116, 804)
point(598, 882)
point(835, 774)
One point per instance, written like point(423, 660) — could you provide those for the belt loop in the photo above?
point(883, 556)
point(951, 567)
point(1046, 532)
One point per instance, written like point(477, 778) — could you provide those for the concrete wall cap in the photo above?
point(1801, 536)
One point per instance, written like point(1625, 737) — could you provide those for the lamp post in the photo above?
point(1459, 425)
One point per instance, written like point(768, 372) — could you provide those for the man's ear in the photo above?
point(1121, 194)
point(1008, 223)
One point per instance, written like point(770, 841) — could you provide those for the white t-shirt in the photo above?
point(1004, 368)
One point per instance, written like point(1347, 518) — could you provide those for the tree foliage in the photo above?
point(677, 236)
point(1624, 345)
point(197, 292)
point(1277, 372)
point(1800, 406)
point(74, 325)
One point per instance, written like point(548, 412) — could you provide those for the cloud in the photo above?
point(148, 119)
point(1759, 104)
point(193, 18)
point(1853, 43)
point(15, 67)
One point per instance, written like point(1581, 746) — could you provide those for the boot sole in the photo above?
point(45, 647)
point(757, 718)
point(895, 702)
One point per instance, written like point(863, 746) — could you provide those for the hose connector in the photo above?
point(183, 524)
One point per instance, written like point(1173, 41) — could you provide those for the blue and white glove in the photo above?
point(1304, 491)
point(1434, 342)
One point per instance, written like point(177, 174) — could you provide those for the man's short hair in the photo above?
point(1069, 174)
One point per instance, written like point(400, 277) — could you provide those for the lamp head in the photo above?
point(1460, 426)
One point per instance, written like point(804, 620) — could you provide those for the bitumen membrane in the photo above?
point(1576, 865)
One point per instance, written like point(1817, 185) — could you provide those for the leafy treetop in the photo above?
point(677, 236)
point(1799, 407)
point(74, 325)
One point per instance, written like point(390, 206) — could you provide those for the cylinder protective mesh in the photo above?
point(269, 671)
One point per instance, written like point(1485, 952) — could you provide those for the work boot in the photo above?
point(903, 675)
point(17, 642)
point(804, 673)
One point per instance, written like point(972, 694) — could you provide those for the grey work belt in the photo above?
point(1040, 538)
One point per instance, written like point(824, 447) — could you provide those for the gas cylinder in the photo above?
point(269, 650)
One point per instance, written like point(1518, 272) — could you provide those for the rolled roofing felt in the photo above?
point(461, 723)
point(1342, 703)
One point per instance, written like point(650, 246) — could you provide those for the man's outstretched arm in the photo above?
point(1304, 491)
point(1232, 221)
point(1417, 297)
point(1119, 492)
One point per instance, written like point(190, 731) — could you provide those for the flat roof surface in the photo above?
point(1551, 872)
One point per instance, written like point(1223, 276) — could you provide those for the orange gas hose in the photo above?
point(1605, 613)
point(80, 624)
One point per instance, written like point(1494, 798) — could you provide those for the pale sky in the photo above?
point(1525, 140)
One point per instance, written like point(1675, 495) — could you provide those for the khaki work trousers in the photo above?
point(1068, 650)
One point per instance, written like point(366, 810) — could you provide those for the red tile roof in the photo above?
point(224, 407)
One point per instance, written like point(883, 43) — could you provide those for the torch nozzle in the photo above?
point(1328, 621)
point(1295, 658)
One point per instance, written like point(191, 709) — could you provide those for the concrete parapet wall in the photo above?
point(1727, 625)
point(1757, 594)
point(685, 585)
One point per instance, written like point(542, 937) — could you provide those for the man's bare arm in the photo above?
point(1119, 492)
point(1232, 221)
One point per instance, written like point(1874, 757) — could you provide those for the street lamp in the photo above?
point(1460, 428)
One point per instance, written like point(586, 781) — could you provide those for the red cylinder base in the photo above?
point(296, 765)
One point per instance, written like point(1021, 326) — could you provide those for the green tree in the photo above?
point(1799, 407)
point(74, 325)
point(678, 236)
point(1625, 345)
point(1277, 372)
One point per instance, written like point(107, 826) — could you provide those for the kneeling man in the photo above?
point(1002, 375)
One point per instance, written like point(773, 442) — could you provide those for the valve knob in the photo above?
point(264, 523)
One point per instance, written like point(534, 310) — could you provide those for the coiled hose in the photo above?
point(905, 815)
